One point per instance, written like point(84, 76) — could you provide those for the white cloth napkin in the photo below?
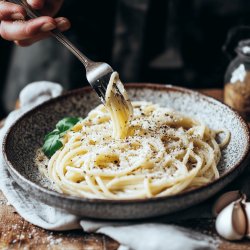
point(140, 236)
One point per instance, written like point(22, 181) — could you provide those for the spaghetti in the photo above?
point(158, 152)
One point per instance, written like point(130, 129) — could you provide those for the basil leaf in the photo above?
point(52, 140)
point(67, 123)
point(52, 144)
point(54, 132)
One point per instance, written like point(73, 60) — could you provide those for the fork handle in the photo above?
point(56, 33)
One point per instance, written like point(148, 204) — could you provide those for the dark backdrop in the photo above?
point(5, 52)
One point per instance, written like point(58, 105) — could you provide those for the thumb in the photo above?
point(36, 4)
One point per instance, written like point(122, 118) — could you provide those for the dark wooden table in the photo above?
point(16, 233)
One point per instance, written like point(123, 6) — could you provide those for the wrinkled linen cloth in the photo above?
point(143, 235)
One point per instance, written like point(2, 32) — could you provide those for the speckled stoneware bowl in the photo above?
point(26, 136)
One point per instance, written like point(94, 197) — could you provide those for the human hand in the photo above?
point(14, 27)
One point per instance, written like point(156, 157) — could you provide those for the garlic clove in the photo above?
point(239, 218)
point(224, 225)
point(225, 200)
point(247, 209)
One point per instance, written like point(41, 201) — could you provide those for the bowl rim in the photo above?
point(162, 87)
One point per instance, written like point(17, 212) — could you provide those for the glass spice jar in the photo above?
point(237, 81)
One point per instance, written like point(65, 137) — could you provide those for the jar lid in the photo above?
point(244, 47)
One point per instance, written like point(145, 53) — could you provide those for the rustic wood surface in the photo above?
point(16, 233)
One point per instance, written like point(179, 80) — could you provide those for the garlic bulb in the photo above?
point(224, 224)
point(233, 220)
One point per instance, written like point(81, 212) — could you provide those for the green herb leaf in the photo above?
point(54, 132)
point(52, 144)
point(52, 141)
point(67, 123)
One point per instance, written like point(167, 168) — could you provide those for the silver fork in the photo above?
point(97, 73)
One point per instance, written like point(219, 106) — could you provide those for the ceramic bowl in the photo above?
point(26, 136)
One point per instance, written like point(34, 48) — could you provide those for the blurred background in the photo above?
point(182, 42)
